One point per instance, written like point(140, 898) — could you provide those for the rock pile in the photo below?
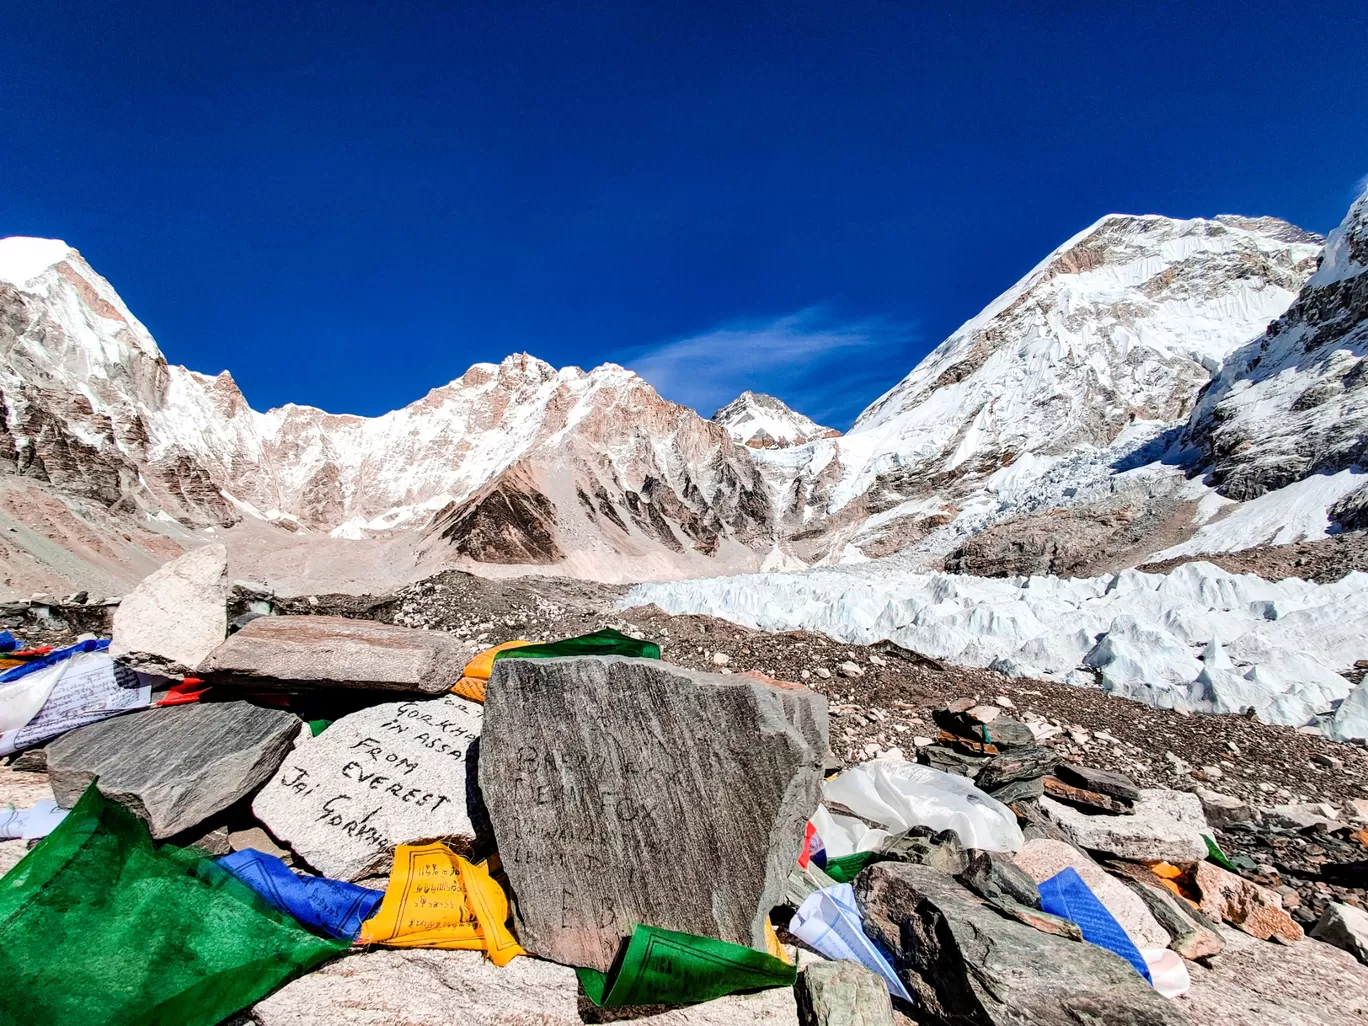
point(652, 826)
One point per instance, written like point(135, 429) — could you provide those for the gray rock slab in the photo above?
point(626, 791)
point(336, 651)
point(428, 987)
point(396, 773)
point(1016, 765)
point(1254, 983)
point(1165, 825)
point(175, 616)
point(1345, 927)
point(175, 766)
point(966, 964)
point(1090, 778)
point(842, 994)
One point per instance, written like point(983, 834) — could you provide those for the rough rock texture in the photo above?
point(1107, 782)
point(1345, 927)
point(425, 987)
point(1295, 402)
point(619, 789)
point(335, 651)
point(176, 616)
point(1254, 909)
point(1043, 858)
point(966, 964)
point(1191, 934)
point(392, 774)
point(1166, 825)
point(842, 994)
point(1256, 984)
point(174, 766)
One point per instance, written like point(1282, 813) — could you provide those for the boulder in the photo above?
point(390, 774)
point(1042, 859)
point(926, 847)
point(1165, 826)
point(842, 994)
point(627, 791)
point(1345, 927)
point(1018, 791)
point(1224, 811)
point(336, 652)
point(995, 877)
point(175, 616)
point(174, 766)
point(1081, 798)
point(1015, 765)
point(1255, 984)
point(431, 987)
point(1254, 909)
point(1191, 934)
point(968, 965)
point(1116, 785)
point(1305, 816)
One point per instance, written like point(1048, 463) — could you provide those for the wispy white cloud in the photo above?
point(826, 369)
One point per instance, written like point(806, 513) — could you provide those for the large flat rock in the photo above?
point(968, 965)
point(423, 987)
point(175, 766)
point(626, 791)
point(397, 773)
point(335, 651)
point(175, 616)
point(1166, 826)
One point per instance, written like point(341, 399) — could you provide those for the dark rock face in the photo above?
point(175, 766)
point(1294, 402)
point(966, 964)
point(334, 651)
point(1116, 785)
point(510, 521)
point(626, 791)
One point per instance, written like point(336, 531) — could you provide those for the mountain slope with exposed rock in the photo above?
point(1103, 345)
point(96, 421)
point(1294, 402)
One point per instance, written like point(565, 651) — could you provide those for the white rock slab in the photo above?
point(396, 773)
point(425, 987)
point(1167, 826)
point(175, 616)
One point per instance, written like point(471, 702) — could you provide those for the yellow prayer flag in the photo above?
point(437, 899)
point(483, 664)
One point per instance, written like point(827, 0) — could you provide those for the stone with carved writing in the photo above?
point(336, 651)
point(397, 773)
point(626, 791)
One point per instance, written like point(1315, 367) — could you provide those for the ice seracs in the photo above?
point(1198, 639)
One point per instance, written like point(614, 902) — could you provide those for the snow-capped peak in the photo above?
point(1346, 248)
point(764, 422)
point(23, 258)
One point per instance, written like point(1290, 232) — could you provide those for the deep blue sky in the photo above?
point(347, 204)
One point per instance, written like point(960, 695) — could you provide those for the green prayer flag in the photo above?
point(604, 642)
point(1217, 856)
point(317, 727)
point(662, 967)
point(100, 927)
point(847, 867)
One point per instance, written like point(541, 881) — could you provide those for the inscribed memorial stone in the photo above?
point(396, 773)
point(629, 791)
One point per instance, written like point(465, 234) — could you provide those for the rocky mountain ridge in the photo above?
point(764, 422)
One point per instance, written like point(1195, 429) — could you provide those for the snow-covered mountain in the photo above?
point(1106, 341)
point(764, 422)
point(95, 414)
point(1294, 402)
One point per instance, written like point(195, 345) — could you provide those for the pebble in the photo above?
point(721, 659)
point(876, 661)
point(1005, 702)
point(849, 669)
point(806, 674)
point(922, 742)
point(823, 672)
